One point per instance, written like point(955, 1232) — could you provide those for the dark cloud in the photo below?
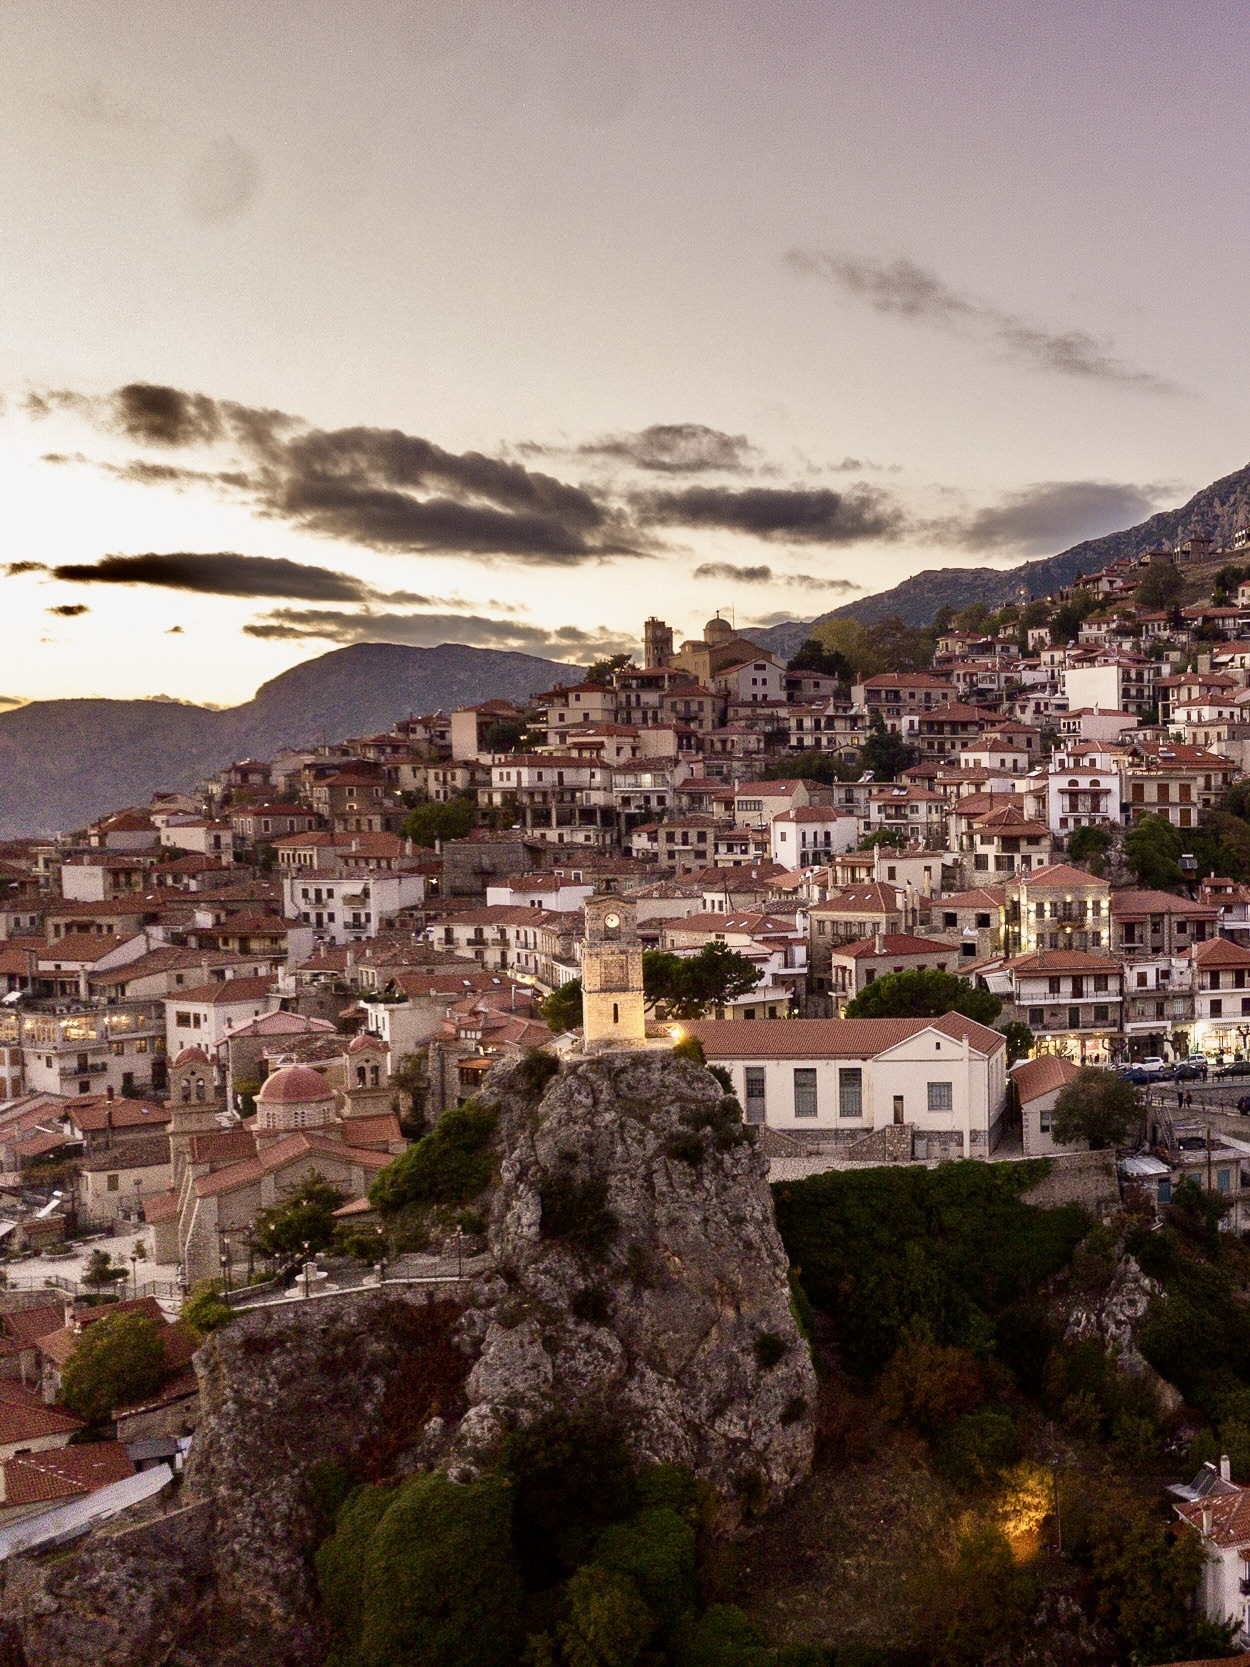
point(427, 630)
point(69, 610)
point(676, 448)
point(380, 488)
point(783, 514)
point(220, 573)
point(14, 569)
point(904, 289)
point(1049, 516)
point(221, 181)
point(766, 576)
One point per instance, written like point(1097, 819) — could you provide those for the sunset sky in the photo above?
point(512, 323)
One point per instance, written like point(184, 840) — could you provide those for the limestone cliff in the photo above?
point(637, 1273)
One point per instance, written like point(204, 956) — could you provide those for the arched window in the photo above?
point(360, 1076)
point(186, 1089)
point(199, 1088)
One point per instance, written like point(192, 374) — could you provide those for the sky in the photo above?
point(512, 322)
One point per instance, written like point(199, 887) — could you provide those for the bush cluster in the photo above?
point(449, 1165)
point(575, 1209)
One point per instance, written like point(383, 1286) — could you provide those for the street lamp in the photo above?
point(134, 1274)
point(307, 1251)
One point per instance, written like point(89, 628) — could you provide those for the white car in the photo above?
point(1153, 1064)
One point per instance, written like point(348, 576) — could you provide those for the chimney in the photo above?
point(1226, 1469)
point(878, 944)
point(1206, 1521)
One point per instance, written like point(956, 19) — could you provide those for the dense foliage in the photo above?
point(566, 1557)
point(884, 754)
point(1097, 1106)
point(447, 1166)
point(303, 1223)
point(924, 994)
point(452, 819)
point(116, 1361)
point(950, 1249)
point(685, 986)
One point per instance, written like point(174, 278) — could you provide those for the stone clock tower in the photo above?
point(612, 1000)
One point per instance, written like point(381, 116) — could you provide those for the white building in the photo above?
point(1217, 1510)
point(811, 834)
point(839, 1080)
point(348, 908)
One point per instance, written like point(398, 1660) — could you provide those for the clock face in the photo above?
point(612, 922)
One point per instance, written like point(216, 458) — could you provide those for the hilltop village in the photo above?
point(231, 1005)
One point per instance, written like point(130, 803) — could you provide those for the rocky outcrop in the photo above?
point(1114, 1314)
point(638, 1268)
point(637, 1274)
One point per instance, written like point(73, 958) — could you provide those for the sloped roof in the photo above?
point(894, 943)
point(830, 1038)
point(1036, 1077)
point(24, 1416)
point(65, 1473)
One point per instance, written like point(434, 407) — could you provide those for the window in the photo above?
point(1036, 1018)
point(112, 1183)
point(1101, 1013)
point(754, 1093)
point(182, 1021)
point(941, 1096)
point(805, 1091)
point(851, 1092)
point(1217, 1009)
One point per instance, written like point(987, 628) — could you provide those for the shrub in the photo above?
point(928, 1385)
point(607, 1623)
point(536, 1070)
point(577, 1212)
point(571, 1477)
point(655, 1549)
point(690, 1048)
point(117, 1360)
point(424, 1572)
point(205, 1309)
point(447, 1166)
point(977, 1447)
point(592, 1303)
point(770, 1348)
point(981, 1602)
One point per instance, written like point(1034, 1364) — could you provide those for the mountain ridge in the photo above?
point(1216, 511)
point(63, 762)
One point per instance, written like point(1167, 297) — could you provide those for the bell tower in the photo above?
point(613, 1012)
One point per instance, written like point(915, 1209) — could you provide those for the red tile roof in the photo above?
point(66, 1473)
point(1037, 1077)
point(830, 1038)
point(24, 1417)
point(893, 943)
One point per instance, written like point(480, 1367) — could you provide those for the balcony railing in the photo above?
point(92, 1070)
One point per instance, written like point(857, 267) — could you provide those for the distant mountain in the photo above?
point(63, 762)
point(1215, 512)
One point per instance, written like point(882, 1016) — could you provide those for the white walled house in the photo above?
point(810, 834)
point(206, 1015)
point(1218, 1511)
point(941, 1082)
point(1039, 1083)
point(351, 907)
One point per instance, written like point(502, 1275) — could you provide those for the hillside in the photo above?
point(1215, 512)
point(65, 761)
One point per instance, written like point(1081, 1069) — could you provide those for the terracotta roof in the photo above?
point(148, 1153)
point(294, 1085)
point(164, 1207)
point(191, 1056)
point(1043, 1076)
point(873, 899)
point(222, 1146)
point(830, 1038)
point(374, 1131)
point(1130, 904)
point(980, 897)
point(224, 992)
point(1230, 1516)
point(24, 1417)
point(1067, 960)
point(283, 1152)
point(28, 1325)
point(81, 947)
point(65, 1473)
point(1060, 874)
point(1219, 952)
point(94, 1113)
point(893, 943)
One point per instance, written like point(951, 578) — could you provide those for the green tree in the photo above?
point(814, 656)
point(562, 1009)
point(447, 1166)
point(689, 985)
point(814, 765)
point(885, 754)
point(439, 821)
point(1020, 1040)
point(923, 995)
point(893, 839)
point(1087, 845)
point(1096, 1106)
point(116, 1360)
point(1161, 586)
point(1225, 583)
point(1068, 618)
point(1152, 847)
point(606, 1623)
point(982, 1602)
point(304, 1221)
point(601, 672)
point(505, 735)
point(100, 1271)
point(1146, 1580)
point(424, 1573)
point(205, 1309)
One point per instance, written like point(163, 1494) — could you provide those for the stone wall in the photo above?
point(1085, 1178)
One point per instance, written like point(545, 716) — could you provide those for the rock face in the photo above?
point(638, 1268)
point(638, 1274)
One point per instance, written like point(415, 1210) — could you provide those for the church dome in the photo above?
point(717, 630)
point(294, 1085)
point(367, 1039)
point(192, 1056)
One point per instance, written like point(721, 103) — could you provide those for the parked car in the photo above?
point(1135, 1074)
point(1187, 1071)
point(1153, 1065)
point(1234, 1068)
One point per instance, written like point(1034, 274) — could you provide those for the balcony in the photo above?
point(93, 1070)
